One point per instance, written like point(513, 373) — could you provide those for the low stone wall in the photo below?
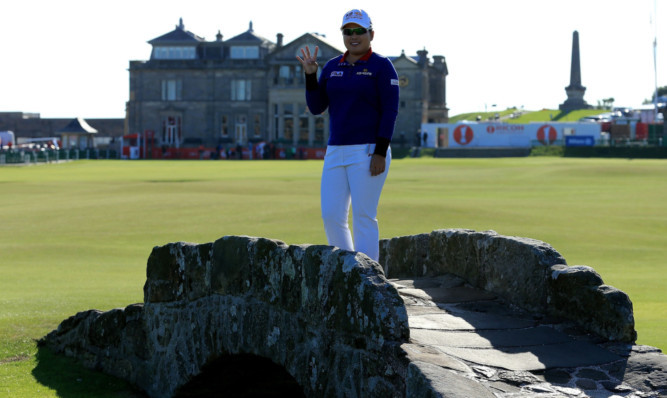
point(526, 272)
point(327, 316)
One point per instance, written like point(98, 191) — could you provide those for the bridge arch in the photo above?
point(241, 375)
point(327, 316)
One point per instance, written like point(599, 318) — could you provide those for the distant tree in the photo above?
point(605, 103)
point(662, 91)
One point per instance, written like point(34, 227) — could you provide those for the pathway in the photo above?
point(469, 343)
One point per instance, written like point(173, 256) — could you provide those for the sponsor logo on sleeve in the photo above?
point(394, 82)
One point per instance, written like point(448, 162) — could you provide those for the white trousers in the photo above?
point(346, 178)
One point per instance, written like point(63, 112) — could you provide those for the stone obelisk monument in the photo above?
point(575, 91)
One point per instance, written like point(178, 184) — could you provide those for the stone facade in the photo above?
point(331, 318)
point(250, 89)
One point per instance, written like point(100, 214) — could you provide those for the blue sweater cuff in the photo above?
point(311, 82)
point(381, 146)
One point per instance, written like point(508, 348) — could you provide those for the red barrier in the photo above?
point(641, 131)
point(209, 153)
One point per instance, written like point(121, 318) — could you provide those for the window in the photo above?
point(164, 52)
point(319, 130)
point(224, 128)
point(303, 130)
point(244, 52)
point(288, 114)
point(171, 90)
point(257, 126)
point(241, 129)
point(286, 74)
point(276, 122)
point(171, 131)
point(289, 74)
point(241, 90)
point(303, 123)
point(301, 77)
point(289, 129)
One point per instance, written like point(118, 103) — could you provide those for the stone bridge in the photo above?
point(466, 314)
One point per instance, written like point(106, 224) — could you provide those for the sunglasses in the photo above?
point(354, 31)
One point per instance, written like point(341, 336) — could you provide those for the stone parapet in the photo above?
point(328, 316)
point(526, 272)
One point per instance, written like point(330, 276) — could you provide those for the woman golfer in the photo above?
point(360, 88)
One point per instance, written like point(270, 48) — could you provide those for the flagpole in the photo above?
point(655, 60)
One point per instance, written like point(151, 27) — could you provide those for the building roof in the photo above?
point(413, 60)
point(178, 36)
point(326, 40)
point(249, 36)
point(77, 126)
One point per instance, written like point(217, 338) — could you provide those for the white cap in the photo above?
point(360, 17)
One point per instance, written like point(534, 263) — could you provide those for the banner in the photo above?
point(579, 140)
point(468, 135)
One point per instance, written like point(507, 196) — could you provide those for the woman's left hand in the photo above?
point(378, 164)
point(309, 61)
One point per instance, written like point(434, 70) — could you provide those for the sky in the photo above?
point(70, 58)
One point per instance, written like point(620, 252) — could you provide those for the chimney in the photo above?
point(218, 37)
point(279, 38)
point(423, 58)
point(439, 62)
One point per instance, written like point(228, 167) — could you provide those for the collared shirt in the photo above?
point(362, 98)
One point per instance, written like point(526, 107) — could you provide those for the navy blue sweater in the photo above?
point(362, 99)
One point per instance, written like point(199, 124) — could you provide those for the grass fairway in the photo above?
point(76, 236)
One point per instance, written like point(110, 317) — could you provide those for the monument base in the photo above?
point(575, 99)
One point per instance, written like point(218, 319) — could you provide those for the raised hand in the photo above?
point(308, 60)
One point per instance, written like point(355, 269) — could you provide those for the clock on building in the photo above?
point(403, 81)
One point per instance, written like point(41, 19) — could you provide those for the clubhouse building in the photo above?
point(247, 89)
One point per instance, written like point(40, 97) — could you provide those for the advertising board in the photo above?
point(579, 140)
point(468, 135)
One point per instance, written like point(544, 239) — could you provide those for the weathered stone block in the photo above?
point(578, 293)
point(230, 265)
point(358, 300)
point(453, 251)
point(405, 255)
point(312, 260)
point(164, 274)
point(107, 329)
point(265, 273)
point(516, 268)
point(197, 262)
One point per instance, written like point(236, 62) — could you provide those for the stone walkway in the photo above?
point(469, 343)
